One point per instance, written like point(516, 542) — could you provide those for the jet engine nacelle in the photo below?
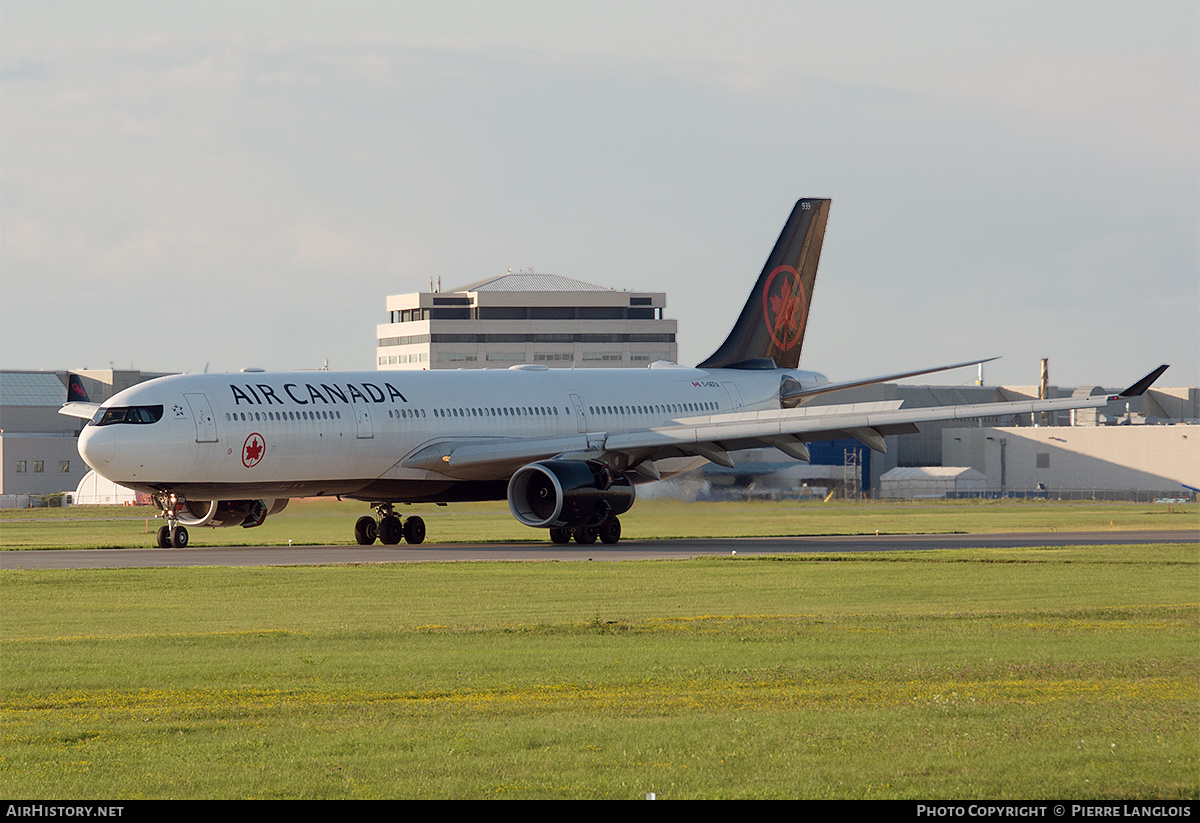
point(568, 493)
point(220, 514)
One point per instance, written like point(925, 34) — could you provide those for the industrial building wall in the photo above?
point(38, 446)
point(1117, 458)
point(39, 463)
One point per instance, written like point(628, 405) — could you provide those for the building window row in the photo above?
point(404, 341)
point(419, 357)
point(526, 338)
point(39, 466)
point(460, 312)
point(518, 357)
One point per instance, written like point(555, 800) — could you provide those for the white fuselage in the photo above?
point(256, 434)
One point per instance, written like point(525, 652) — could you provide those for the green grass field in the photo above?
point(323, 522)
point(1034, 673)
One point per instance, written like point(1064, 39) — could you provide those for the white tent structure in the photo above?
point(94, 490)
point(930, 481)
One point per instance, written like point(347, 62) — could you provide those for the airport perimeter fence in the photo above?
point(1102, 495)
point(32, 501)
point(1099, 495)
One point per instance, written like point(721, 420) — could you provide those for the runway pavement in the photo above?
point(546, 551)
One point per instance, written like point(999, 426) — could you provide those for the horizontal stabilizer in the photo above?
point(792, 394)
point(85, 410)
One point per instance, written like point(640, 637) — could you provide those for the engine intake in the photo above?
point(568, 493)
point(220, 514)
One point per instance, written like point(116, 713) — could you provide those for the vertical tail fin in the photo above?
point(76, 393)
point(773, 321)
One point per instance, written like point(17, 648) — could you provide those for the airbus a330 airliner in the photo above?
point(567, 448)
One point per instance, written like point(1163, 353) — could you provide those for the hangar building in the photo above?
point(1136, 447)
point(38, 452)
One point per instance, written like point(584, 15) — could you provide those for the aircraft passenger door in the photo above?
point(206, 425)
point(735, 396)
point(362, 420)
point(580, 418)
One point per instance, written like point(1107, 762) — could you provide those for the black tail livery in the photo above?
point(75, 391)
point(771, 326)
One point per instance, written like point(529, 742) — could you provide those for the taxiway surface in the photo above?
point(544, 551)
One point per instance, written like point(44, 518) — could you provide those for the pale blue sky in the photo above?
point(242, 184)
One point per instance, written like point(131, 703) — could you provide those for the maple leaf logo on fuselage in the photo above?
point(252, 450)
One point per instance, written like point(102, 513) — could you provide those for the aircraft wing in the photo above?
point(713, 437)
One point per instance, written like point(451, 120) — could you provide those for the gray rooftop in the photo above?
point(31, 389)
point(531, 282)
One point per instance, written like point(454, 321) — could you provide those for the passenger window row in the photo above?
point(283, 415)
point(503, 411)
point(669, 408)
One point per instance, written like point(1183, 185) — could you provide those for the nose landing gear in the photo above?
point(173, 535)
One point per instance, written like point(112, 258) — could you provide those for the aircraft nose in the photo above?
point(96, 447)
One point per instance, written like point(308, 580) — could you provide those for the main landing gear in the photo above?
point(173, 535)
point(609, 532)
point(389, 529)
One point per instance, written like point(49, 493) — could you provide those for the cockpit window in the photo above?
point(128, 414)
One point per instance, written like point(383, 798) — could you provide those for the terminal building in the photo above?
point(525, 318)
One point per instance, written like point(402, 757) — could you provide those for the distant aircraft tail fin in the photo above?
point(76, 393)
point(78, 404)
point(773, 321)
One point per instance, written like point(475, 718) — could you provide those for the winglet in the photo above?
point(1139, 388)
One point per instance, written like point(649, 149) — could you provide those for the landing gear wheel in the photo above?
point(585, 535)
point(179, 538)
point(365, 530)
point(610, 531)
point(414, 531)
point(390, 530)
point(560, 537)
point(164, 537)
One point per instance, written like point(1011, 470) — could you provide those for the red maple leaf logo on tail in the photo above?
point(784, 309)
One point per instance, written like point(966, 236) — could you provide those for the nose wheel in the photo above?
point(169, 538)
point(173, 535)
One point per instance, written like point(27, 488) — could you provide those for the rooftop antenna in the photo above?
point(1044, 388)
